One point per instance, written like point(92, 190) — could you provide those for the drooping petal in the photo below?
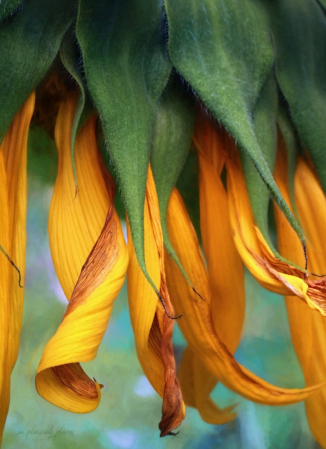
point(308, 327)
point(91, 260)
point(152, 327)
point(13, 155)
point(5, 275)
point(197, 383)
point(227, 306)
point(272, 273)
point(196, 322)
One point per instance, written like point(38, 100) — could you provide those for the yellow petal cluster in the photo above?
point(307, 326)
point(196, 323)
point(13, 203)
point(90, 257)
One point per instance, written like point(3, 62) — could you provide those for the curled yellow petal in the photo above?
point(13, 204)
point(271, 272)
point(307, 326)
point(91, 259)
point(196, 323)
point(152, 327)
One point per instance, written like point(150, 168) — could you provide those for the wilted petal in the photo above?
point(308, 327)
point(91, 260)
point(13, 161)
point(196, 323)
point(271, 272)
point(152, 327)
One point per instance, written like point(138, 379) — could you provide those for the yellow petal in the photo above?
point(196, 323)
point(70, 245)
point(227, 307)
point(100, 256)
point(211, 142)
point(308, 327)
point(272, 273)
point(197, 383)
point(13, 155)
point(152, 327)
point(5, 275)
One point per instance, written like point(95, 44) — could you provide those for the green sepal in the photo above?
point(8, 7)
point(29, 42)
point(264, 121)
point(188, 186)
point(299, 34)
point(122, 43)
point(223, 49)
point(174, 126)
point(71, 59)
point(293, 147)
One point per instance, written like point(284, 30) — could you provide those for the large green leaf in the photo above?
point(299, 33)
point(70, 57)
point(264, 120)
point(29, 41)
point(174, 126)
point(8, 7)
point(223, 49)
point(122, 43)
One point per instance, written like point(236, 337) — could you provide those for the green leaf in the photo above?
point(122, 43)
point(29, 42)
point(70, 57)
point(264, 120)
point(299, 33)
point(223, 49)
point(174, 126)
point(8, 7)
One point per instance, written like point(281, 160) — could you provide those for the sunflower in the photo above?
point(239, 87)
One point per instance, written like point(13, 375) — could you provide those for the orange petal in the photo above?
point(197, 383)
point(227, 305)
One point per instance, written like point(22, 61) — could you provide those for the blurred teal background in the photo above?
point(130, 410)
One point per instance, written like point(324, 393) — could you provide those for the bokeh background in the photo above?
point(130, 410)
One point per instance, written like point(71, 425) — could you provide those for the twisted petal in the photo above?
point(91, 260)
point(196, 323)
point(272, 273)
point(308, 327)
point(13, 202)
point(152, 327)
